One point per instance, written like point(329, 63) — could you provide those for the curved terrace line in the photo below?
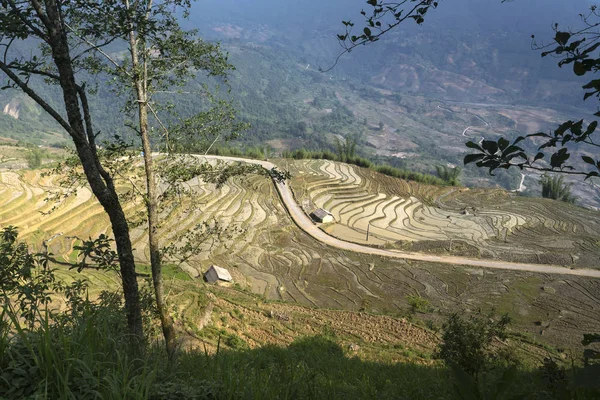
point(306, 224)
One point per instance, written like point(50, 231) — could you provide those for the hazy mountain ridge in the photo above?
point(462, 43)
point(467, 54)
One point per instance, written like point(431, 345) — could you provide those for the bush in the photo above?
point(34, 158)
point(553, 187)
point(418, 303)
point(466, 342)
point(83, 353)
point(449, 175)
point(80, 352)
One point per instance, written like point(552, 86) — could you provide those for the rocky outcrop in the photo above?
point(13, 109)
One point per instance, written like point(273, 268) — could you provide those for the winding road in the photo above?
point(521, 186)
point(307, 225)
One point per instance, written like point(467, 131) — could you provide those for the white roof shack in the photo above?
point(321, 215)
point(215, 274)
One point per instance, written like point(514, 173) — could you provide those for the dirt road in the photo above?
point(306, 224)
point(521, 186)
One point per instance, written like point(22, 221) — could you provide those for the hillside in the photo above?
point(339, 248)
point(269, 255)
point(280, 349)
point(465, 74)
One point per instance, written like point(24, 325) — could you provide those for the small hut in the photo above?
point(321, 215)
point(216, 274)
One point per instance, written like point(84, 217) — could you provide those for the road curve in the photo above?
point(307, 225)
point(521, 186)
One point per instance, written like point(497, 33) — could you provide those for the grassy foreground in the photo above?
point(89, 357)
point(83, 352)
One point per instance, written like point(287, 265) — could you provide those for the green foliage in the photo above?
point(555, 378)
point(466, 387)
point(449, 175)
point(235, 342)
point(34, 158)
point(466, 342)
point(409, 175)
point(303, 154)
point(346, 150)
point(579, 48)
point(81, 353)
point(418, 303)
point(24, 277)
point(553, 187)
point(99, 252)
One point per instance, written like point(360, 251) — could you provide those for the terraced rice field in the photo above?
point(491, 223)
point(272, 257)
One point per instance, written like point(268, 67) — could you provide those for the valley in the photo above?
point(431, 88)
point(307, 200)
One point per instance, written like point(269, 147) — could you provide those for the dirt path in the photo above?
point(306, 224)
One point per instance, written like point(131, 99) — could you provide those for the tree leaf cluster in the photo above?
point(552, 155)
point(381, 17)
point(581, 49)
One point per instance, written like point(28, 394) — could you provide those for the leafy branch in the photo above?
point(503, 154)
point(379, 20)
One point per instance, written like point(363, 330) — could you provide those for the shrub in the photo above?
point(466, 342)
point(553, 187)
point(418, 303)
point(34, 158)
point(449, 175)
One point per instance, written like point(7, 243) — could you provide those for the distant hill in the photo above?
point(467, 72)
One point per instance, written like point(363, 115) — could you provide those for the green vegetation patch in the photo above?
point(169, 271)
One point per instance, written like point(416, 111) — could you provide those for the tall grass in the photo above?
point(312, 368)
point(90, 358)
point(84, 358)
point(87, 356)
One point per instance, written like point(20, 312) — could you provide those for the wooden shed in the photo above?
point(321, 215)
point(216, 274)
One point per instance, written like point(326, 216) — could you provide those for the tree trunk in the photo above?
point(102, 187)
point(140, 82)
point(120, 229)
point(166, 321)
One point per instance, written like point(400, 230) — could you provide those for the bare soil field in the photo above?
point(270, 256)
